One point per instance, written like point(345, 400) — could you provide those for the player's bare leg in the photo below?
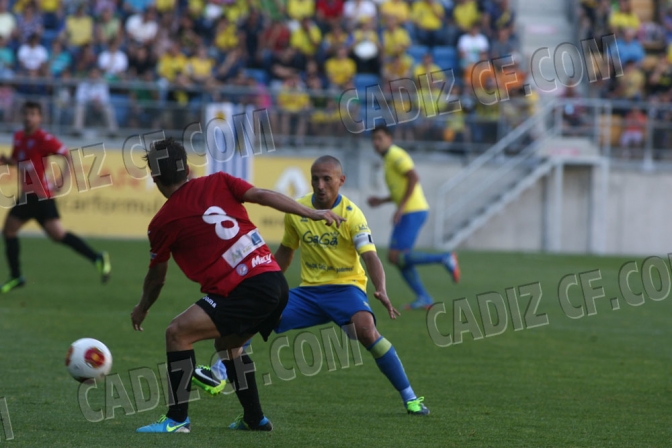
point(55, 230)
point(10, 232)
point(387, 360)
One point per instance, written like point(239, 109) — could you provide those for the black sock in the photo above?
point(12, 252)
point(79, 246)
point(180, 369)
point(240, 372)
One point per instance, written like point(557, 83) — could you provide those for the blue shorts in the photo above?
point(316, 305)
point(406, 231)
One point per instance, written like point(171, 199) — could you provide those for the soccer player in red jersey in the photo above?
point(31, 146)
point(205, 227)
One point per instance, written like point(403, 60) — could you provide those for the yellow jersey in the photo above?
point(330, 255)
point(340, 71)
point(397, 164)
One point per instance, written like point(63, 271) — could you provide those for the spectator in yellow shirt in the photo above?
point(237, 11)
point(397, 67)
point(428, 17)
point(366, 49)
point(395, 38)
point(397, 9)
point(163, 6)
point(307, 38)
point(335, 39)
point(300, 9)
point(79, 28)
point(226, 35)
point(172, 63)
point(294, 103)
point(624, 18)
point(429, 89)
point(466, 14)
point(199, 67)
point(340, 69)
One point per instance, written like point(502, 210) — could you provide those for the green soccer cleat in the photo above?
point(204, 378)
point(11, 284)
point(104, 266)
point(415, 407)
point(264, 425)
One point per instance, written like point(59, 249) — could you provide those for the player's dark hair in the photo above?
point(32, 105)
point(328, 159)
point(167, 160)
point(382, 128)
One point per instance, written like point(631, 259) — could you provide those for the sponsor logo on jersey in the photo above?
point(256, 238)
point(348, 208)
point(210, 301)
point(31, 142)
point(242, 269)
point(257, 261)
point(326, 239)
point(245, 245)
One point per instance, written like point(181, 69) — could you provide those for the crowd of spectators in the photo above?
point(276, 53)
point(643, 33)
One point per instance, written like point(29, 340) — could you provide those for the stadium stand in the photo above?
point(171, 57)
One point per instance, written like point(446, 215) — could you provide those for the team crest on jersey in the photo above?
point(348, 208)
point(241, 270)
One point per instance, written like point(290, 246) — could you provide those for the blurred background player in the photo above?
point(31, 146)
point(412, 209)
point(205, 226)
point(333, 287)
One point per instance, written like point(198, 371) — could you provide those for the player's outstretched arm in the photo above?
point(377, 274)
point(286, 204)
point(154, 280)
point(284, 256)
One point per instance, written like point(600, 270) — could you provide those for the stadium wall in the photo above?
point(115, 204)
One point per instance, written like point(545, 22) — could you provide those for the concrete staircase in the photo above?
point(543, 23)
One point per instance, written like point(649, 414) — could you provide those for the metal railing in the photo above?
point(607, 129)
point(483, 181)
point(140, 106)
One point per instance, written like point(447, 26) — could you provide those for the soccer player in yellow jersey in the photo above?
point(412, 209)
point(333, 281)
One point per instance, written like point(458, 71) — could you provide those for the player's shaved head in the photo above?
point(328, 160)
point(327, 177)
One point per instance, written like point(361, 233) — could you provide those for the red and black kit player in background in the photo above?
point(205, 227)
point(35, 200)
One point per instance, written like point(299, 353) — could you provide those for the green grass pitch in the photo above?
point(600, 380)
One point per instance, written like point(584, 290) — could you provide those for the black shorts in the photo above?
point(35, 208)
point(254, 306)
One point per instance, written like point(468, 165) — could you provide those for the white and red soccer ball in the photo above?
point(88, 359)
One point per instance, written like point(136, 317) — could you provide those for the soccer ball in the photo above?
point(88, 358)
